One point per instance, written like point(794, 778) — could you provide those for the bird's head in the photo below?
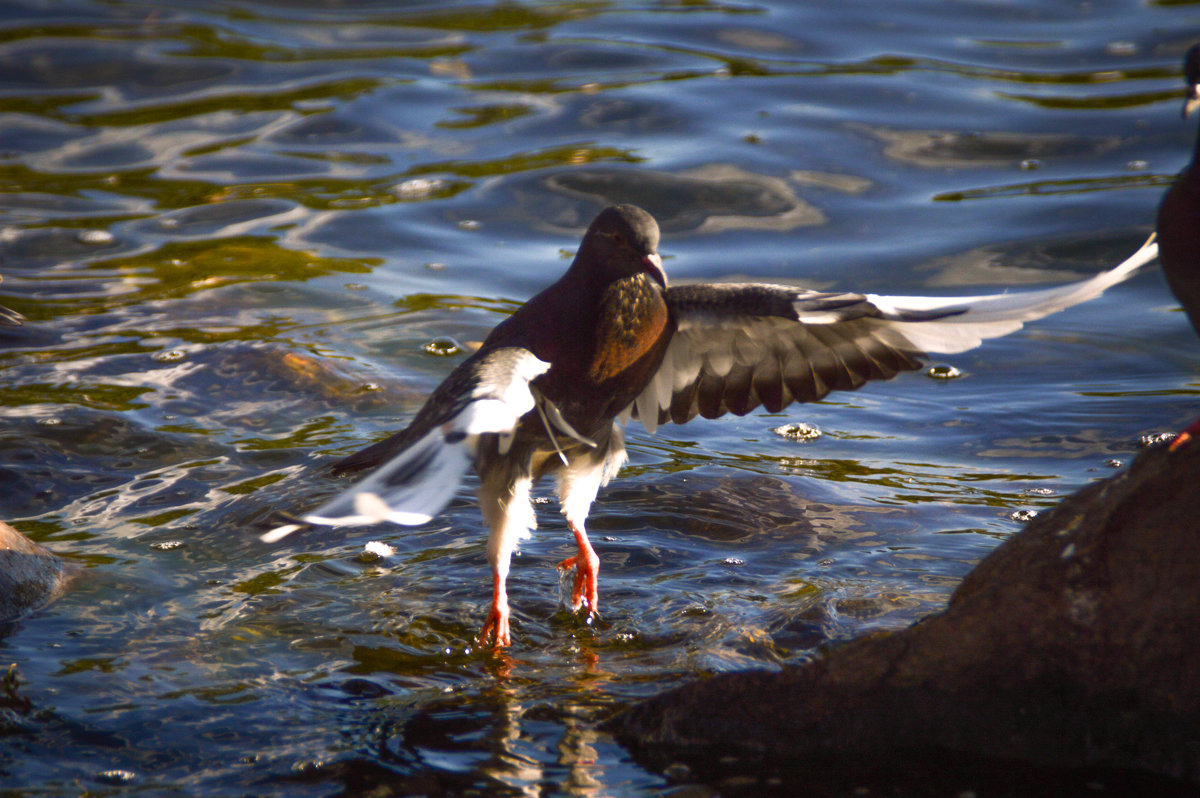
point(622, 241)
point(1191, 73)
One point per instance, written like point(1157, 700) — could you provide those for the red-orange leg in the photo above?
point(1183, 438)
point(496, 625)
point(587, 571)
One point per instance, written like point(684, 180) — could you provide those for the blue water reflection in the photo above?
point(235, 228)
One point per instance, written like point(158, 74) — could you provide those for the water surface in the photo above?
point(250, 237)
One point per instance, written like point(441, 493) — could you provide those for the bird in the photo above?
point(548, 392)
point(9, 317)
point(1178, 225)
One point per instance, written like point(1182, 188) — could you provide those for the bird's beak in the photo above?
point(1193, 100)
point(653, 264)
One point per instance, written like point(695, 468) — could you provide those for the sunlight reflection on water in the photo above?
point(249, 237)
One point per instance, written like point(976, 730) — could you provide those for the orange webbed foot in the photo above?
point(495, 632)
point(586, 588)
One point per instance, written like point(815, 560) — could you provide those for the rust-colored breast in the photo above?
point(633, 319)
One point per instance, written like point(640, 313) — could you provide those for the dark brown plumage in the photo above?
point(548, 390)
point(1179, 225)
point(1179, 212)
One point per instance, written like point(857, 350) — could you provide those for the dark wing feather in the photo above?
point(739, 346)
point(742, 346)
point(418, 470)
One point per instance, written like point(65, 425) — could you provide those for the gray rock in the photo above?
point(1074, 645)
point(30, 575)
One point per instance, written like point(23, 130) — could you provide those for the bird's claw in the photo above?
point(585, 589)
point(495, 629)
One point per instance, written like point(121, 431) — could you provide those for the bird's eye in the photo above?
point(618, 239)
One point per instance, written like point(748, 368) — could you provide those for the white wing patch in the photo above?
point(415, 484)
point(994, 315)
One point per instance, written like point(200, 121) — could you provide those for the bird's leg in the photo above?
point(504, 500)
point(587, 570)
point(590, 469)
point(496, 624)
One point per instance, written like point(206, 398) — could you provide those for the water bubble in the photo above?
point(798, 432)
point(167, 545)
point(1114, 463)
point(733, 561)
point(469, 224)
point(1155, 438)
point(941, 371)
point(435, 266)
point(116, 777)
point(378, 549)
point(443, 347)
point(1121, 48)
point(1024, 516)
point(1039, 492)
point(1137, 165)
point(168, 356)
point(1029, 164)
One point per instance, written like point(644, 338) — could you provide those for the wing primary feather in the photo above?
point(488, 393)
point(740, 345)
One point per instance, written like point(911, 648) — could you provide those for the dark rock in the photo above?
point(30, 574)
point(1075, 645)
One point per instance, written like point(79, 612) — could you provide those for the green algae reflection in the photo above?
point(181, 268)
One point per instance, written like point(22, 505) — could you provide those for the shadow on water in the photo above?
point(248, 238)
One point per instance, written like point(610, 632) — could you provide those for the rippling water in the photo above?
point(251, 236)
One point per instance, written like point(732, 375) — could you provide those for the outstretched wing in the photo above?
point(742, 345)
point(419, 468)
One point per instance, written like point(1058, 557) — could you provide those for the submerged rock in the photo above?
point(30, 575)
point(1074, 645)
